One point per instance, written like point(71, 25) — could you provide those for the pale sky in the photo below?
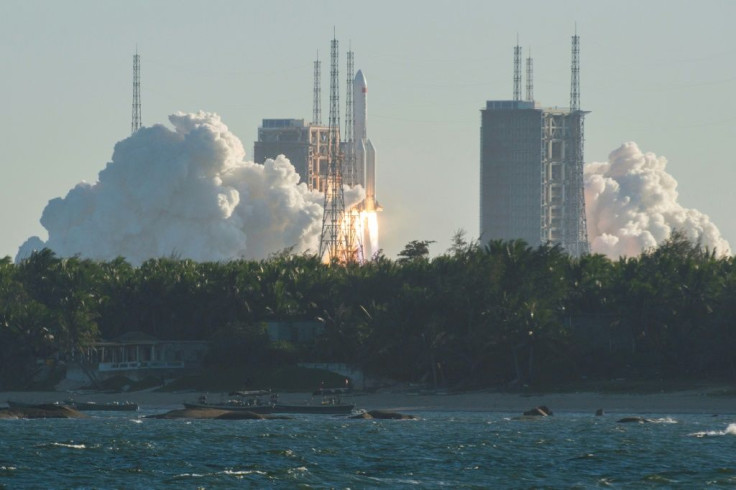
point(659, 73)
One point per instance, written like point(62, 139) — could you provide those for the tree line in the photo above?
point(501, 313)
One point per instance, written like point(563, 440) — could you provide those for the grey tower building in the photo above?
point(305, 145)
point(531, 171)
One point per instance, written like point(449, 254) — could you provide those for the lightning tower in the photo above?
point(136, 120)
point(317, 109)
point(517, 71)
point(334, 243)
point(530, 77)
point(575, 74)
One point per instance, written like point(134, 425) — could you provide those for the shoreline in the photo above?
point(679, 402)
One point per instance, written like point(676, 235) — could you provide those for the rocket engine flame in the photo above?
point(371, 219)
point(631, 205)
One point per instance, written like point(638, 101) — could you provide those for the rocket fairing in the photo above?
point(365, 152)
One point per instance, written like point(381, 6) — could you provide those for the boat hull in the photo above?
point(104, 407)
point(315, 409)
point(231, 407)
point(83, 406)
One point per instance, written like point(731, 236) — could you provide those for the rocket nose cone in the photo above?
point(360, 79)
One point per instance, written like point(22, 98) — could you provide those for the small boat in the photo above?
point(241, 401)
point(266, 402)
point(107, 407)
point(81, 406)
point(17, 404)
point(323, 409)
point(331, 404)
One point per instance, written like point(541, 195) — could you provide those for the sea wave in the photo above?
point(728, 431)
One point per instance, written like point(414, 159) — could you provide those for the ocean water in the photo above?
point(440, 450)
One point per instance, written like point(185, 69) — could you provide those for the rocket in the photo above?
point(365, 152)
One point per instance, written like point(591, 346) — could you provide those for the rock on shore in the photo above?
point(43, 411)
point(383, 414)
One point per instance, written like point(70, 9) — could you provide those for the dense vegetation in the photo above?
point(500, 314)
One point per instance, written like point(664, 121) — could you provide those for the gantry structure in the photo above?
point(531, 182)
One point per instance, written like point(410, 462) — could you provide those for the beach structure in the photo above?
point(136, 355)
point(531, 167)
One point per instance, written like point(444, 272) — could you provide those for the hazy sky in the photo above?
point(660, 73)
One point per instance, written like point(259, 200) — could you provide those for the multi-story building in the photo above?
point(305, 145)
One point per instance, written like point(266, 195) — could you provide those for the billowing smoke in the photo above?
point(631, 206)
point(186, 193)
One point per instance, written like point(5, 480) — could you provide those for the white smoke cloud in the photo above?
point(631, 205)
point(188, 193)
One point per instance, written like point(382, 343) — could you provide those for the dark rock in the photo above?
point(635, 420)
point(599, 412)
point(540, 411)
point(42, 411)
point(363, 415)
point(383, 415)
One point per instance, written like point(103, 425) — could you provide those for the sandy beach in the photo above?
point(706, 401)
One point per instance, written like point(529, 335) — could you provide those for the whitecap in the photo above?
point(728, 431)
point(243, 472)
point(70, 446)
point(663, 420)
point(189, 475)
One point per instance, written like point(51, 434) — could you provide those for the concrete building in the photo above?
point(531, 172)
point(305, 145)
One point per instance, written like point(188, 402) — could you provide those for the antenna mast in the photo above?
point(530, 78)
point(517, 70)
point(317, 108)
point(136, 121)
point(575, 74)
point(333, 241)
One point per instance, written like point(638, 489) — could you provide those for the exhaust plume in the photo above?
point(187, 193)
point(631, 206)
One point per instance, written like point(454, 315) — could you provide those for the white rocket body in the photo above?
point(365, 152)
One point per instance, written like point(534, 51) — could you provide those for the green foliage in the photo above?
point(415, 250)
point(496, 314)
point(239, 345)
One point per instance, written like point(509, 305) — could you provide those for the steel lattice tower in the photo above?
point(136, 120)
point(577, 229)
point(529, 78)
point(317, 109)
point(575, 74)
point(333, 240)
point(348, 137)
point(517, 71)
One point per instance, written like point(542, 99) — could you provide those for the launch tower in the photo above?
point(336, 240)
point(531, 172)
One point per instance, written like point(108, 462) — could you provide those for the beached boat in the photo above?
point(266, 402)
point(106, 407)
point(17, 404)
point(257, 401)
point(81, 406)
point(324, 409)
point(330, 404)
